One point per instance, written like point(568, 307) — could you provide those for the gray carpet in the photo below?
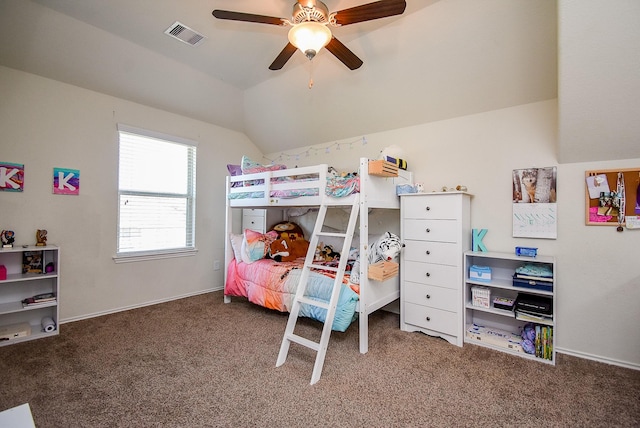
point(197, 362)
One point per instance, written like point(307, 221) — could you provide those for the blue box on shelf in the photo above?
point(480, 273)
point(526, 251)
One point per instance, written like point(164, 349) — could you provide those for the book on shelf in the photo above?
point(33, 261)
point(534, 278)
point(544, 344)
point(532, 316)
point(39, 299)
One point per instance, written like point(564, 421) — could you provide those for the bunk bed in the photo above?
point(306, 187)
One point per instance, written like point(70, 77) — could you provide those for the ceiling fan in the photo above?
point(309, 27)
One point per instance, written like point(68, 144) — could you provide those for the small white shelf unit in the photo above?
point(503, 267)
point(19, 286)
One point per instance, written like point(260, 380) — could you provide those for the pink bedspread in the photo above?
point(273, 285)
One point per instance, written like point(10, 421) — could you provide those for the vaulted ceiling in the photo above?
point(440, 59)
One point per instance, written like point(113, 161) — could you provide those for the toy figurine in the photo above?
point(41, 238)
point(7, 237)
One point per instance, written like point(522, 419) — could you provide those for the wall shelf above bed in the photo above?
point(383, 168)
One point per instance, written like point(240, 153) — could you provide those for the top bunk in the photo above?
point(272, 186)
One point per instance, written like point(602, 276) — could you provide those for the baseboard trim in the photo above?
point(140, 305)
point(599, 359)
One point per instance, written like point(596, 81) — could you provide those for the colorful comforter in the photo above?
point(273, 285)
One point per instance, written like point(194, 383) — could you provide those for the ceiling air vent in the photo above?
point(184, 34)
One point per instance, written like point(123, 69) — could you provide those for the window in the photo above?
point(156, 192)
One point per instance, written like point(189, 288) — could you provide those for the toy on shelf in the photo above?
point(41, 238)
point(8, 238)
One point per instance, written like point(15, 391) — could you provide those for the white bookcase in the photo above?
point(14, 316)
point(503, 267)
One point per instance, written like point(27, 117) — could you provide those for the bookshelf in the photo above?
point(30, 271)
point(498, 320)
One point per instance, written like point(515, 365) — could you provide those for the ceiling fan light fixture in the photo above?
point(309, 37)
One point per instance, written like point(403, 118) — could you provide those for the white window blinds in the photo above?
point(156, 190)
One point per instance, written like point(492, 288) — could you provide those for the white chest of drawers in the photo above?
point(260, 220)
point(436, 231)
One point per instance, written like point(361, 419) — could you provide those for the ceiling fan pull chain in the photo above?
point(310, 74)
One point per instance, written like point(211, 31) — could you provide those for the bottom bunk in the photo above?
point(273, 285)
point(253, 273)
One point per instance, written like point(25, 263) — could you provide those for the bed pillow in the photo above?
point(255, 245)
point(236, 246)
point(251, 167)
point(233, 171)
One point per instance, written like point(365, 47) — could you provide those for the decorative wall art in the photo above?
point(535, 212)
point(66, 181)
point(11, 177)
point(612, 198)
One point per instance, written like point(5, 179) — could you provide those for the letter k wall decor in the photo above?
point(11, 177)
point(66, 181)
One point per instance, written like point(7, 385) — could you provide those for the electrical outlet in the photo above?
point(216, 265)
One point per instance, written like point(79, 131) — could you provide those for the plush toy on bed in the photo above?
point(329, 254)
point(386, 248)
point(290, 243)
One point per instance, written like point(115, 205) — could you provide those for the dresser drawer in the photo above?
point(433, 252)
point(254, 212)
point(433, 274)
point(435, 297)
point(432, 230)
point(430, 318)
point(253, 222)
point(435, 207)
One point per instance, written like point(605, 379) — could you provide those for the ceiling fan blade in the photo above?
point(283, 57)
point(370, 11)
point(247, 17)
point(343, 53)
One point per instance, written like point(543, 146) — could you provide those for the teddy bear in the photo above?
point(290, 243)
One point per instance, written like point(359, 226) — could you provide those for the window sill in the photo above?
point(153, 255)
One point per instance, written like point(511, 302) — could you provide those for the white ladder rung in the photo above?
point(304, 341)
point(323, 267)
point(332, 234)
point(312, 302)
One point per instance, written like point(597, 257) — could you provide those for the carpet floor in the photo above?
point(198, 362)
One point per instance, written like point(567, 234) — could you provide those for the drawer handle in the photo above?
point(428, 318)
point(428, 296)
point(428, 274)
point(428, 230)
point(428, 208)
point(428, 252)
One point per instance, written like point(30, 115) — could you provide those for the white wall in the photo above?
point(47, 124)
point(598, 85)
point(598, 275)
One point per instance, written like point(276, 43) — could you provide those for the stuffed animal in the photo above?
point(328, 254)
point(386, 248)
point(290, 243)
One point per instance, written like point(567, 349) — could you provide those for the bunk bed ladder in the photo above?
point(300, 298)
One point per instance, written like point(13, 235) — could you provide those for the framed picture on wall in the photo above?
point(535, 212)
point(612, 198)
